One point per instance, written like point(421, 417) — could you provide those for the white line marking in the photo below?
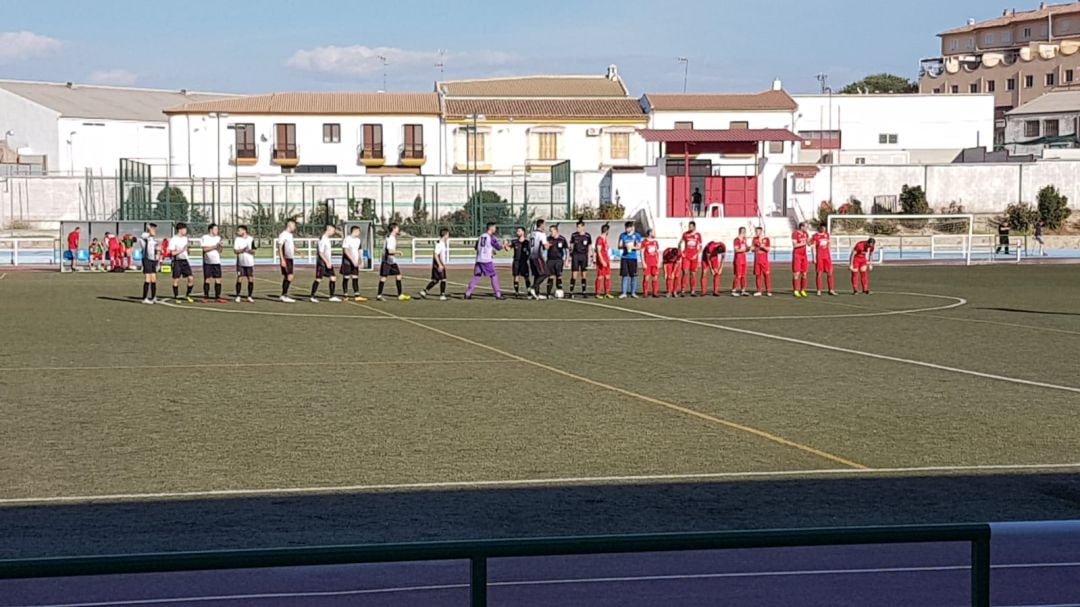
point(821, 346)
point(3, 276)
point(1002, 324)
point(562, 582)
point(582, 480)
point(333, 363)
point(218, 308)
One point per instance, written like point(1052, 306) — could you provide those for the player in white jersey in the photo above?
point(439, 260)
point(211, 263)
point(151, 253)
point(324, 264)
point(286, 252)
point(350, 264)
point(244, 247)
point(181, 267)
point(388, 266)
point(538, 246)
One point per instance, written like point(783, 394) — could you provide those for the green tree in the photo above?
point(1021, 216)
point(1053, 207)
point(322, 215)
point(173, 205)
point(913, 202)
point(486, 205)
point(880, 84)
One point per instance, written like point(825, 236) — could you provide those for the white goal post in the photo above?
point(923, 242)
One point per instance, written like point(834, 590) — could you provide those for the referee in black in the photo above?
point(580, 245)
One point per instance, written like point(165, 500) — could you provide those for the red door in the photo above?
point(740, 196)
point(678, 203)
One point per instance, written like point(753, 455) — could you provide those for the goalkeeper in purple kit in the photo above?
point(486, 246)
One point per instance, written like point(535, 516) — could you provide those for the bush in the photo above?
point(883, 227)
point(611, 210)
point(418, 224)
point(362, 210)
point(586, 212)
point(851, 207)
point(950, 226)
point(824, 210)
point(322, 215)
point(1021, 216)
point(913, 202)
point(1053, 207)
point(263, 222)
point(173, 206)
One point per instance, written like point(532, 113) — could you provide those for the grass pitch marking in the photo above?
point(333, 363)
point(648, 399)
point(542, 482)
point(821, 346)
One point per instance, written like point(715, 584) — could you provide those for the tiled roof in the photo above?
point(1017, 17)
point(545, 108)
point(319, 103)
point(535, 86)
point(717, 135)
point(770, 100)
point(1054, 102)
point(104, 102)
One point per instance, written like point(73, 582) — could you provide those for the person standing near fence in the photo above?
point(738, 262)
point(580, 245)
point(800, 261)
point(211, 263)
point(73, 246)
point(520, 266)
point(151, 251)
point(557, 247)
point(1040, 243)
point(629, 243)
point(486, 246)
point(388, 265)
point(762, 246)
point(181, 267)
point(351, 248)
point(439, 260)
point(1003, 229)
point(244, 247)
point(286, 245)
point(324, 265)
point(603, 264)
point(538, 245)
point(823, 263)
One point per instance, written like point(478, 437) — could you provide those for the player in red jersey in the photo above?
point(740, 248)
point(861, 264)
point(822, 258)
point(800, 261)
point(712, 264)
point(690, 245)
point(672, 259)
point(650, 252)
point(603, 264)
point(762, 267)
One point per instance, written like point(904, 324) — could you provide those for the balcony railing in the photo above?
point(370, 155)
point(286, 154)
point(245, 155)
point(412, 154)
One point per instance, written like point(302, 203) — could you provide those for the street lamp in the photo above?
point(475, 156)
point(217, 196)
point(71, 151)
point(686, 70)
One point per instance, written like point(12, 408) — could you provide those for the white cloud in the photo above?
point(15, 46)
point(114, 77)
point(360, 60)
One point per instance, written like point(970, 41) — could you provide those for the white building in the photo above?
point(340, 133)
point(532, 123)
point(68, 129)
point(892, 129)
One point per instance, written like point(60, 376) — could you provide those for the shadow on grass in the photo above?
point(1037, 312)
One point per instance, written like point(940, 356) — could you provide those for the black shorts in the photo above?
point(245, 271)
point(389, 269)
point(437, 274)
point(211, 270)
point(322, 270)
point(288, 269)
point(538, 267)
point(181, 268)
point(628, 267)
point(348, 269)
point(579, 263)
point(554, 267)
point(521, 267)
point(149, 266)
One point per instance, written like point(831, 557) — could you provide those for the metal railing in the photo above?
point(30, 251)
point(480, 551)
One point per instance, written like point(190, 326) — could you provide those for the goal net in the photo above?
point(908, 237)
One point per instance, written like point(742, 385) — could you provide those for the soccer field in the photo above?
point(952, 393)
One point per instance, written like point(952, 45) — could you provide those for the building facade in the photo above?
point(1045, 127)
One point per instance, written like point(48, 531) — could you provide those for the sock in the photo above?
point(598, 287)
point(757, 281)
point(430, 285)
point(795, 284)
point(583, 281)
point(176, 292)
point(153, 290)
point(382, 285)
point(517, 286)
point(693, 283)
point(189, 287)
point(768, 282)
point(656, 286)
point(145, 289)
point(633, 285)
point(206, 290)
point(625, 284)
point(238, 288)
point(607, 285)
point(817, 280)
point(442, 287)
point(217, 290)
point(551, 286)
point(398, 283)
point(558, 284)
point(285, 284)
point(854, 281)
point(683, 282)
point(472, 285)
point(251, 287)
point(333, 287)
point(314, 288)
point(573, 282)
point(495, 285)
point(345, 286)
point(832, 285)
point(716, 283)
point(865, 281)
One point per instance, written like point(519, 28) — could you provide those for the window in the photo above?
point(684, 125)
point(860, 160)
point(331, 133)
point(1010, 84)
point(285, 141)
point(1027, 33)
point(245, 140)
point(970, 44)
point(1029, 81)
point(988, 38)
point(739, 124)
point(474, 146)
point(620, 145)
point(820, 140)
point(373, 141)
point(1043, 31)
point(954, 89)
point(1068, 75)
point(548, 146)
point(776, 147)
point(1051, 79)
point(1031, 128)
point(973, 87)
point(885, 138)
point(414, 141)
point(954, 44)
point(991, 86)
point(1051, 128)
point(1006, 37)
point(937, 90)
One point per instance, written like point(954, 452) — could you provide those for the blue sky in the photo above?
point(273, 45)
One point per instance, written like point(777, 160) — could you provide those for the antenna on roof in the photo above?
point(686, 70)
point(384, 64)
point(441, 63)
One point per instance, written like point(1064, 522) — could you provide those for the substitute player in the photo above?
point(740, 247)
point(538, 245)
point(712, 264)
point(672, 259)
point(351, 248)
point(439, 260)
point(690, 244)
point(603, 264)
point(629, 244)
point(861, 263)
point(486, 247)
point(211, 263)
point(520, 270)
point(800, 261)
point(324, 265)
point(151, 254)
point(181, 267)
point(822, 258)
point(286, 252)
point(244, 247)
point(556, 258)
point(580, 245)
point(388, 265)
point(762, 266)
point(650, 255)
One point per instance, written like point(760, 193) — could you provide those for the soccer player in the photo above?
point(690, 244)
point(128, 245)
point(650, 254)
point(712, 264)
point(350, 264)
point(388, 265)
point(486, 246)
point(151, 252)
point(181, 268)
point(822, 258)
point(244, 247)
point(580, 245)
point(672, 270)
point(97, 255)
point(762, 267)
point(211, 263)
point(740, 248)
point(800, 261)
point(629, 243)
point(538, 245)
point(324, 264)
point(112, 250)
point(556, 251)
point(438, 265)
point(520, 246)
point(603, 264)
point(73, 246)
point(862, 255)
point(287, 251)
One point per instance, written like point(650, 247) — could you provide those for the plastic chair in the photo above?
point(716, 206)
point(83, 255)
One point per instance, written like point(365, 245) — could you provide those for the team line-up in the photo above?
point(539, 258)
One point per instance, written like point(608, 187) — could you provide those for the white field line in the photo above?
point(212, 366)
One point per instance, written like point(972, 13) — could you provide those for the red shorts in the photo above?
point(713, 264)
point(740, 267)
point(692, 265)
point(603, 271)
point(762, 267)
point(824, 265)
point(97, 256)
point(652, 270)
point(859, 262)
point(800, 263)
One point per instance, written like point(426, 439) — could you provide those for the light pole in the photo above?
point(71, 152)
point(686, 70)
point(475, 179)
point(383, 59)
point(236, 173)
point(217, 191)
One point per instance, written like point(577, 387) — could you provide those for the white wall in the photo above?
point(201, 132)
point(99, 145)
point(34, 126)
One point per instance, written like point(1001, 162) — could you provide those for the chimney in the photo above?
point(777, 85)
point(971, 21)
point(612, 72)
point(70, 85)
